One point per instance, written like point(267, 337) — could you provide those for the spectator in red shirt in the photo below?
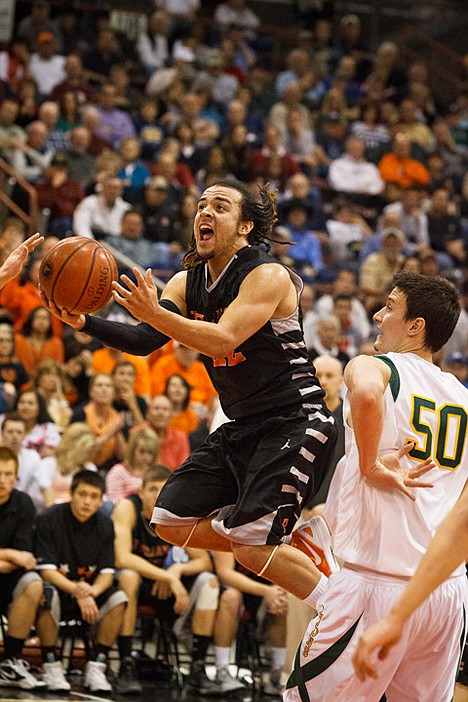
point(60, 195)
point(175, 446)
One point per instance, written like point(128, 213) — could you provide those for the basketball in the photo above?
point(77, 274)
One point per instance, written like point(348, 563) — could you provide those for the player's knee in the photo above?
point(230, 600)
point(171, 534)
point(34, 592)
point(129, 582)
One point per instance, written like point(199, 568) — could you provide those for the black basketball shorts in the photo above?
point(252, 476)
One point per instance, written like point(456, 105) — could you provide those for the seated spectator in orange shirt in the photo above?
point(184, 361)
point(175, 447)
point(20, 295)
point(105, 360)
point(127, 475)
point(36, 341)
point(104, 421)
point(399, 168)
point(184, 417)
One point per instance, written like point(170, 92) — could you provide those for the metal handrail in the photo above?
point(434, 44)
point(29, 218)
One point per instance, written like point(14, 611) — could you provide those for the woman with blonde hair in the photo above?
point(126, 477)
point(73, 453)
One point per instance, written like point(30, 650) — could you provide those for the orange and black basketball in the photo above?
point(77, 275)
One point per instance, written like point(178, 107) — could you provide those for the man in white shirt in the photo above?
point(47, 67)
point(12, 435)
point(101, 214)
point(351, 173)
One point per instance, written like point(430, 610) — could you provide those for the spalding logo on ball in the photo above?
point(77, 275)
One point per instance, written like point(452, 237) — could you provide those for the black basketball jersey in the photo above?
point(78, 550)
point(145, 542)
point(271, 370)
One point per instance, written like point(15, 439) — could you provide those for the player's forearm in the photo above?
point(140, 565)
point(101, 584)
point(61, 582)
point(446, 552)
point(7, 566)
point(215, 340)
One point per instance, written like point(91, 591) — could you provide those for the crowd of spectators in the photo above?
point(120, 138)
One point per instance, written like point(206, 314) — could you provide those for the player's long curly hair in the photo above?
point(260, 210)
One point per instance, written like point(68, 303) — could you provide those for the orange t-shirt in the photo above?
point(30, 355)
point(20, 300)
point(186, 421)
point(104, 362)
point(405, 172)
point(196, 376)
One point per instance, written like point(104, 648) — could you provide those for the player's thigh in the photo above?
point(438, 632)
point(323, 667)
point(202, 485)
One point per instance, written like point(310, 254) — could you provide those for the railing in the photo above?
point(29, 218)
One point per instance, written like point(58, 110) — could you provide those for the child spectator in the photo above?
point(125, 477)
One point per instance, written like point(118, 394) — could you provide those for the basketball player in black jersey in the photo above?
point(243, 489)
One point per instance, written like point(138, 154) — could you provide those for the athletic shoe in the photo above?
point(226, 682)
point(95, 677)
point(127, 682)
point(54, 677)
point(14, 672)
point(273, 687)
point(199, 683)
point(314, 539)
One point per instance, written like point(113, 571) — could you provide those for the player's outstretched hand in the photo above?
point(18, 257)
point(141, 298)
point(387, 470)
point(77, 321)
point(375, 643)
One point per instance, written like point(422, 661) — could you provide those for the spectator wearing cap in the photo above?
point(61, 195)
point(352, 174)
point(351, 43)
point(101, 214)
point(46, 65)
point(457, 365)
point(223, 85)
point(160, 211)
point(38, 21)
point(306, 251)
point(330, 137)
point(378, 269)
point(114, 124)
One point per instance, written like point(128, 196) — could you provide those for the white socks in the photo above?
point(317, 593)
